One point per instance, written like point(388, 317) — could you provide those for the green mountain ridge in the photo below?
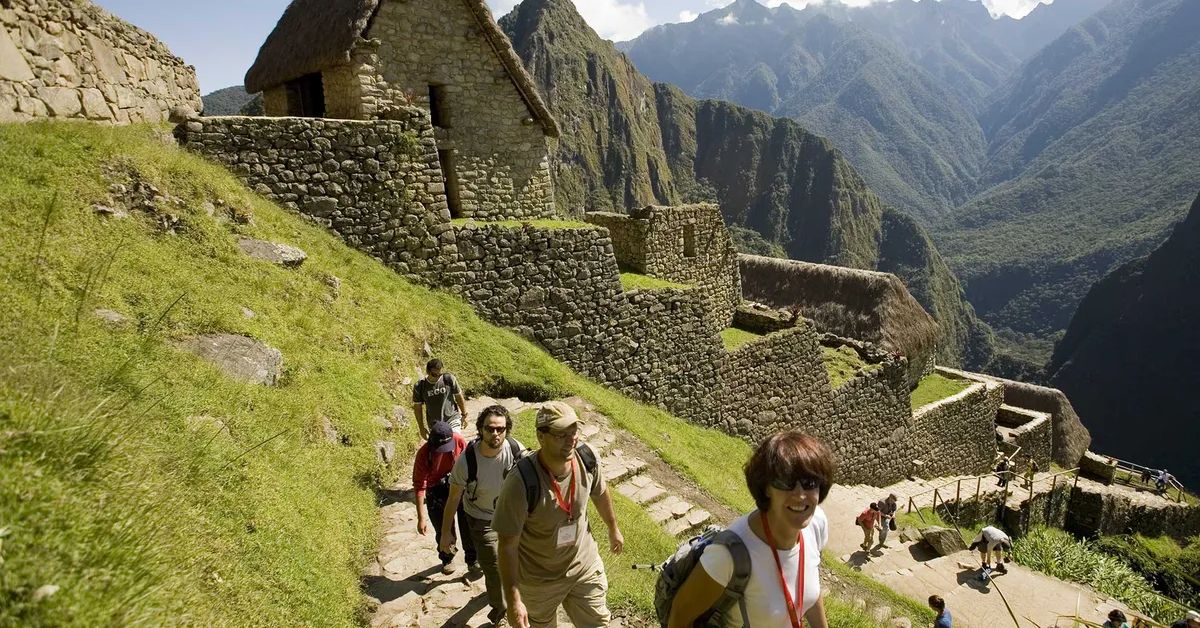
point(629, 142)
point(1097, 145)
point(227, 101)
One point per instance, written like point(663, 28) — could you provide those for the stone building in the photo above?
point(687, 244)
point(369, 59)
point(72, 59)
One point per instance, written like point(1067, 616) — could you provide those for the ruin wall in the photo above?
point(62, 59)
point(956, 435)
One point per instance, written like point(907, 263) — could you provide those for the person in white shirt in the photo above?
point(992, 542)
point(789, 475)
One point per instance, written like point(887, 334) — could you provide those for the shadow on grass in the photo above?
point(387, 497)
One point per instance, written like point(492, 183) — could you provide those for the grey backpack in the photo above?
point(676, 569)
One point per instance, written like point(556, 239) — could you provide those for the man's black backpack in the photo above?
point(527, 467)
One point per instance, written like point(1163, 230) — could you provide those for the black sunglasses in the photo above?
point(805, 482)
point(495, 430)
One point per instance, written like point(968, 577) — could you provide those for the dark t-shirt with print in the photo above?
point(438, 398)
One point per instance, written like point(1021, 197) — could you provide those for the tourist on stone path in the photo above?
point(495, 452)
point(548, 557)
point(868, 520)
point(1002, 471)
point(788, 475)
point(943, 619)
point(1162, 480)
point(887, 517)
point(431, 484)
point(1191, 621)
point(1116, 619)
point(992, 542)
point(438, 397)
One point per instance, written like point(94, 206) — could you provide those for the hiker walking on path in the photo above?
point(431, 485)
point(868, 520)
point(887, 518)
point(477, 476)
point(1162, 480)
point(547, 556)
point(438, 397)
point(1116, 619)
point(789, 475)
point(992, 542)
point(1002, 471)
point(943, 619)
point(1191, 621)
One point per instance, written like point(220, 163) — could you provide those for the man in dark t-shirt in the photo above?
point(438, 397)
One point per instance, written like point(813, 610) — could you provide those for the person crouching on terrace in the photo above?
point(789, 475)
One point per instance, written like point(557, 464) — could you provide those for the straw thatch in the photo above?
point(313, 35)
point(870, 306)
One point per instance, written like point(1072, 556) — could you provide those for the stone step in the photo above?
point(664, 510)
point(642, 489)
point(691, 520)
point(617, 467)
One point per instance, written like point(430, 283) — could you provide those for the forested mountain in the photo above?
point(627, 142)
point(227, 101)
point(1128, 358)
point(1094, 154)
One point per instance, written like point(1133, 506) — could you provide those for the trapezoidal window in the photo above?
point(306, 96)
point(439, 113)
point(689, 240)
point(446, 159)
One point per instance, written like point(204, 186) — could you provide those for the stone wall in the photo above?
point(377, 184)
point(957, 435)
point(1101, 511)
point(500, 152)
point(686, 244)
point(1028, 433)
point(63, 59)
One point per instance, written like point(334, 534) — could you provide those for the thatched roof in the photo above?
point(861, 304)
point(316, 34)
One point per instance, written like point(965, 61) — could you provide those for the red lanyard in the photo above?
point(565, 506)
point(792, 614)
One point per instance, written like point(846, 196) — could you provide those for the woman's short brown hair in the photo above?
point(788, 455)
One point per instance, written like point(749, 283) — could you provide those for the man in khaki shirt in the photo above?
point(547, 554)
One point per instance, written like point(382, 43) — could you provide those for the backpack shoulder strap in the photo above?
point(514, 447)
point(472, 462)
point(529, 477)
point(735, 590)
point(588, 457)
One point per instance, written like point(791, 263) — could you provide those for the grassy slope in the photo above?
point(136, 511)
point(842, 363)
point(733, 338)
point(637, 281)
point(934, 387)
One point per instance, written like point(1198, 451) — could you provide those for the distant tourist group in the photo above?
point(523, 522)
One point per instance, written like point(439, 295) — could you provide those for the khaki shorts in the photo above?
point(585, 600)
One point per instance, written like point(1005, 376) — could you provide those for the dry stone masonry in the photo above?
point(64, 59)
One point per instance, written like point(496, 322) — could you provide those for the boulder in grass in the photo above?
point(274, 252)
point(244, 359)
point(945, 541)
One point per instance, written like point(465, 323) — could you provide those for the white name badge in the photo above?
point(566, 534)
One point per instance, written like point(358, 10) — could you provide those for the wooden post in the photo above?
point(958, 493)
point(978, 482)
point(910, 505)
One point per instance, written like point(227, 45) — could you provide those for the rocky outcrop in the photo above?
point(1128, 358)
point(280, 254)
point(64, 59)
point(944, 541)
point(244, 359)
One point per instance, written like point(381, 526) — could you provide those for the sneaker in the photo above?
point(474, 570)
point(447, 569)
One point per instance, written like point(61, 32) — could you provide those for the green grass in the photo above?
point(843, 363)
point(935, 387)
point(516, 224)
point(1058, 554)
point(924, 517)
point(735, 338)
point(635, 281)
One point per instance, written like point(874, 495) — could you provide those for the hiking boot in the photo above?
point(474, 571)
point(447, 569)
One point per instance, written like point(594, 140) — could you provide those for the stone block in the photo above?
point(12, 64)
point(944, 541)
point(242, 358)
point(61, 102)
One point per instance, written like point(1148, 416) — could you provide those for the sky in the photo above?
point(221, 37)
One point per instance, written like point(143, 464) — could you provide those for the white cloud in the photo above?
point(729, 18)
point(687, 16)
point(614, 19)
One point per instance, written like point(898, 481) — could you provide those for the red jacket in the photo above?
point(425, 474)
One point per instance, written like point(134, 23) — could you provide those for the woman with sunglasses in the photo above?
point(789, 475)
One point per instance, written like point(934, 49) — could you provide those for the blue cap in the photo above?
point(441, 437)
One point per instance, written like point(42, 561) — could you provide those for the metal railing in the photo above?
point(1133, 470)
point(958, 485)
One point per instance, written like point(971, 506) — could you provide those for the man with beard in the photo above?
point(547, 554)
point(478, 475)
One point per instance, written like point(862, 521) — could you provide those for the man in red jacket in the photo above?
point(431, 483)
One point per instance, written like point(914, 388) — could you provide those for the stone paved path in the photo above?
point(406, 581)
point(913, 569)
